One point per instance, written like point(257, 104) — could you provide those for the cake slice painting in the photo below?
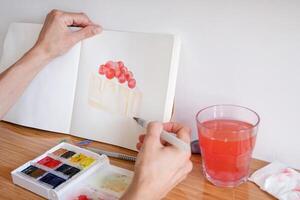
point(123, 75)
point(113, 88)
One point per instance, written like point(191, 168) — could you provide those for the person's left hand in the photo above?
point(56, 38)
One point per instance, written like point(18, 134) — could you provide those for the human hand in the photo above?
point(56, 38)
point(159, 166)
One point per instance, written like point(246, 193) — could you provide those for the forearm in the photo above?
point(16, 78)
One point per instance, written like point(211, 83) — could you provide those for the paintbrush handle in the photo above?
point(172, 139)
point(112, 154)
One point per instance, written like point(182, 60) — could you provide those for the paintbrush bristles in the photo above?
point(141, 121)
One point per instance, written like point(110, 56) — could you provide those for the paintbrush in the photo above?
point(112, 154)
point(168, 137)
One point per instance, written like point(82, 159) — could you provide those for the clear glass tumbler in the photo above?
point(227, 135)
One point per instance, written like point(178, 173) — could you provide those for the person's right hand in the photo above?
point(56, 38)
point(159, 166)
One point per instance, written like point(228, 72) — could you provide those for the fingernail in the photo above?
point(97, 29)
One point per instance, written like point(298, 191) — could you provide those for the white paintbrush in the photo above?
point(168, 137)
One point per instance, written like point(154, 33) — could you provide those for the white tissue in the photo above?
point(293, 195)
point(279, 180)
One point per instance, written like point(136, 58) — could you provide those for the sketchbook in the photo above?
point(97, 87)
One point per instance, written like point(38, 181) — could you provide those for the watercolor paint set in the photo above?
point(68, 172)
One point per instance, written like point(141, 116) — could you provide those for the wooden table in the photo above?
point(19, 145)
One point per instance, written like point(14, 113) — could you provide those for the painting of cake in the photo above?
point(113, 88)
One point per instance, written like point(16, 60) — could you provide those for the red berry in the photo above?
point(101, 69)
point(131, 83)
point(128, 75)
point(124, 69)
point(106, 67)
point(110, 73)
point(114, 65)
point(117, 72)
point(120, 64)
point(122, 78)
point(83, 197)
point(109, 64)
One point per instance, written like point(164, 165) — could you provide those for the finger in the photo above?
point(152, 137)
point(163, 142)
point(172, 127)
point(77, 19)
point(182, 132)
point(139, 146)
point(86, 32)
point(142, 138)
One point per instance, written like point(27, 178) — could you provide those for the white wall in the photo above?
point(241, 52)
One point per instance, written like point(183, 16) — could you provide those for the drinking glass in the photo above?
point(227, 135)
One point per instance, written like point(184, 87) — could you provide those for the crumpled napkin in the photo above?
point(279, 180)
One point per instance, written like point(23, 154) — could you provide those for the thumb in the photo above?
point(154, 130)
point(86, 32)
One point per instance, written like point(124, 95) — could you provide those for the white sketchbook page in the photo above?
point(149, 57)
point(48, 101)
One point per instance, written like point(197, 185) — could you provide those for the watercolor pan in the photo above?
point(49, 162)
point(68, 154)
point(86, 162)
point(68, 170)
point(83, 160)
point(29, 170)
point(38, 173)
point(34, 172)
point(62, 172)
point(52, 180)
point(59, 152)
point(78, 157)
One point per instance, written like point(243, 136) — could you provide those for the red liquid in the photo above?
point(226, 147)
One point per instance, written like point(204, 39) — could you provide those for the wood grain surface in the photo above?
point(20, 144)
